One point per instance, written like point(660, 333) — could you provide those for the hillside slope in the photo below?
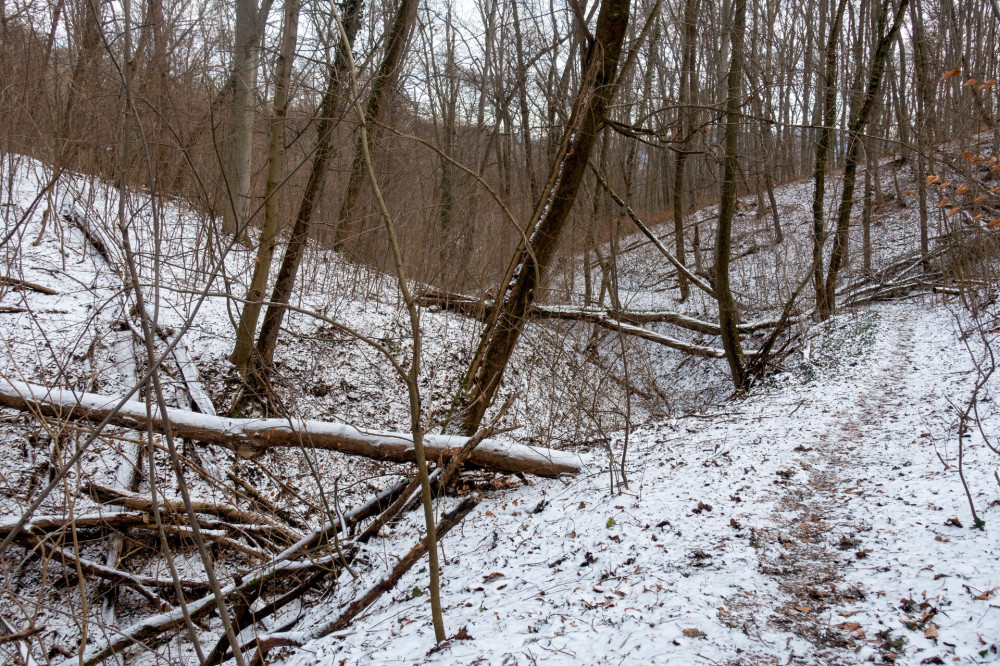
point(819, 520)
point(815, 522)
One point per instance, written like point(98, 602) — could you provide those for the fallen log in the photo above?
point(200, 399)
point(24, 284)
point(21, 640)
point(607, 317)
point(252, 437)
point(116, 497)
point(174, 523)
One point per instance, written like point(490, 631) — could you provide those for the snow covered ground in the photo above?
point(819, 520)
point(814, 522)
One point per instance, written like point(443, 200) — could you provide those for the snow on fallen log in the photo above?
point(477, 308)
point(252, 437)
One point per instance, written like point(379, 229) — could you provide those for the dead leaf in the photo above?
point(803, 609)
point(961, 189)
point(953, 521)
point(693, 632)
point(930, 180)
point(462, 635)
point(938, 537)
point(970, 82)
point(931, 631)
point(985, 595)
point(849, 626)
point(951, 73)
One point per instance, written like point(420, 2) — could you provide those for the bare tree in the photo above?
point(541, 236)
point(247, 325)
point(728, 315)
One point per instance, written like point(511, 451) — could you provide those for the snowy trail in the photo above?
point(807, 524)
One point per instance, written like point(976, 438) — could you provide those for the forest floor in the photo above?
point(819, 521)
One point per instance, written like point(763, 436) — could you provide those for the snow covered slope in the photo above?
point(820, 520)
point(815, 522)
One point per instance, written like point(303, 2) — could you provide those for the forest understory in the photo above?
point(821, 517)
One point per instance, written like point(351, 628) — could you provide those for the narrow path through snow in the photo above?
point(808, 524)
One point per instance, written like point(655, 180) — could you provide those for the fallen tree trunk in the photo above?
point(174, 523)
point(477, 308)
point(140, 583)
point(24, 284)
point(252, 437)
point(144, 630)
point(619, 322)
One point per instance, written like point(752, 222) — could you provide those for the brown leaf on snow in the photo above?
point(953, 521)
point(462, 635)
point(693, 632)
point(986, 595)
point(931, 631)
point(849, 626)
point(803, 609)
point(702, 506)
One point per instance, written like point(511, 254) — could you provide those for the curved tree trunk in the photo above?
point(840, 242)
point(541, 237)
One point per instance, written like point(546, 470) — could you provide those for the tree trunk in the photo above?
point(239, 146)
point(267, 340)
point(684, 100)
point(840, 242)
point(541, 236)
point(247, 325)
point(924, 104)
point(382, 87)
point(254, 436)
point(728, 318)
point(829, 112)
